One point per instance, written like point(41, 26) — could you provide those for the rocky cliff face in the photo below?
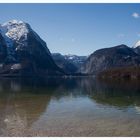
point(115, 57)
point(24, 51)
point(3, 50)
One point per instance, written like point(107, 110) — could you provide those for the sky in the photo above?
point(78, 28)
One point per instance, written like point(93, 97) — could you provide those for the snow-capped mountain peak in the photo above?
point(137, 44)
point(13, 21)
point(15, 30)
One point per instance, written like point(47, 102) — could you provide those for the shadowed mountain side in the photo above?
point(26, 53)
point(3, 50)
point(108, 58)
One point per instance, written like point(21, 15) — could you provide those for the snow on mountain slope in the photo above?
point(24, 46)
point(16, 35)
point(14, 31)
point(137, 44)
point(75, 59)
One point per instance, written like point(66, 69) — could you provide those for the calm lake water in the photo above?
point(69, 107)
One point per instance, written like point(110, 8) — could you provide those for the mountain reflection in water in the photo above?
point(57, 106)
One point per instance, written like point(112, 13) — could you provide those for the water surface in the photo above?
point(69, 107)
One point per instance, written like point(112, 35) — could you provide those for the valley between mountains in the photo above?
point(24, 53)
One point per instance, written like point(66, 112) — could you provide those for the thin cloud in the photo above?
point(73, 40)
point(135, 15)
point(61, 39)
point(121, 35)
point(138, 34)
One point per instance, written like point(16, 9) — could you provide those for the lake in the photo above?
point(69, 107)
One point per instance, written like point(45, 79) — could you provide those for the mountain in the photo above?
point(136, 47)
point(69, 63)
point(137, 44)
point(3, 51)
point(108, 58)
point(23, 51)
point(75, 59)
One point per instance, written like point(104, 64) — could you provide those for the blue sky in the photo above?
point(79, 28)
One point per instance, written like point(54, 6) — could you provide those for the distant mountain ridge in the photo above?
point(69, 63)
